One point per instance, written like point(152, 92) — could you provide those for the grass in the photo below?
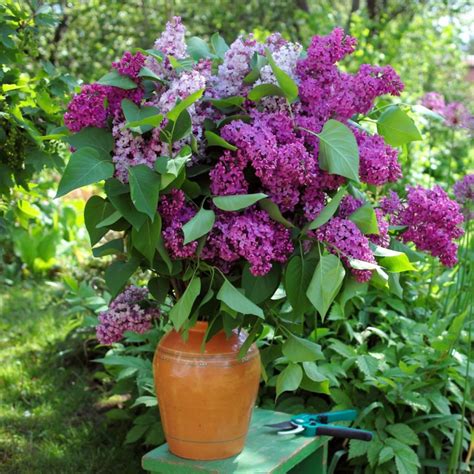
point(50, 417)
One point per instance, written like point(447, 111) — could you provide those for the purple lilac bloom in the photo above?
point(88, 108)
point(349, 204)
point(456, 115)
point(95, 104)
point(433, 221)
point(464, 193)
point(227, 176)
point(130, 65)
point(369, 83)
point(251, 235)
point(175, 212)
point(125, 314)
point(314, 201)
point(344, 239)
point(325, 51)
point(276, 155)
point(378, 161)
point(326, 92)
point(391, 204)
point(434, 101)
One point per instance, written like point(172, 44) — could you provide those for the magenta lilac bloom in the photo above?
point(252, 236)
point(464, 193)
point(455, 114)
point(126, 314)
point(88, 108)
point(344, 239)
point(378, 161)
point(349, 204)
point(95, 104)
point(433, 222)
point(434, 101)
point(175, 213)
point(130, 64)
point(391, 204)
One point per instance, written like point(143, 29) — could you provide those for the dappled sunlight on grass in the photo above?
point(48, 419)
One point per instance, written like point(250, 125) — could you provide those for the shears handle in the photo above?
point(342, 415)
point(342, 432)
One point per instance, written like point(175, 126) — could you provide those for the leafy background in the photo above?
point(402, 359)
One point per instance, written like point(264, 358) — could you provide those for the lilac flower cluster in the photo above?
point(344, 239)
point(126, 314)
point(252, 236)
point(88, 108)
point(434, 101)
point(130, 65)
point(175, 212)
point(432, 219)
point(131, 150)
point(378, 161)
point(350, 204)
point(275, 154)
point(236, 65)
point(326, 92)
point(96, 103)
point(455, 114)
point(391, 204)
point(172, 41)
point(277, 148)
point(464, 193)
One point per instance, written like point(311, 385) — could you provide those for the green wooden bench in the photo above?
point(265, 452)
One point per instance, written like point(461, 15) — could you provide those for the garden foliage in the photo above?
point(246, 181)
point(396, 347)
point(31, 97)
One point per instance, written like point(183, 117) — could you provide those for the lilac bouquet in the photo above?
point(250, 181)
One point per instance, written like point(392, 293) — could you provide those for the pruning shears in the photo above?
point(319, 425)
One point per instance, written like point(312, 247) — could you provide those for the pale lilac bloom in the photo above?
point(129, 311)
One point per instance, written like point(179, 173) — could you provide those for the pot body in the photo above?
point(205, 398)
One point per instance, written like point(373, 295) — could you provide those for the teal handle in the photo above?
point(344, 415)
point(328, 417)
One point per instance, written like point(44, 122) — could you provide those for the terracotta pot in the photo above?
point(205, 398)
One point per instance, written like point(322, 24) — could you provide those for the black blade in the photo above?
point(284, 425)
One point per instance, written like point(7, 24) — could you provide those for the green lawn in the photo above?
point(49, 420)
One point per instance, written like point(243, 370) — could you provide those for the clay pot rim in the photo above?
point(200, 326)
point(225, 356)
